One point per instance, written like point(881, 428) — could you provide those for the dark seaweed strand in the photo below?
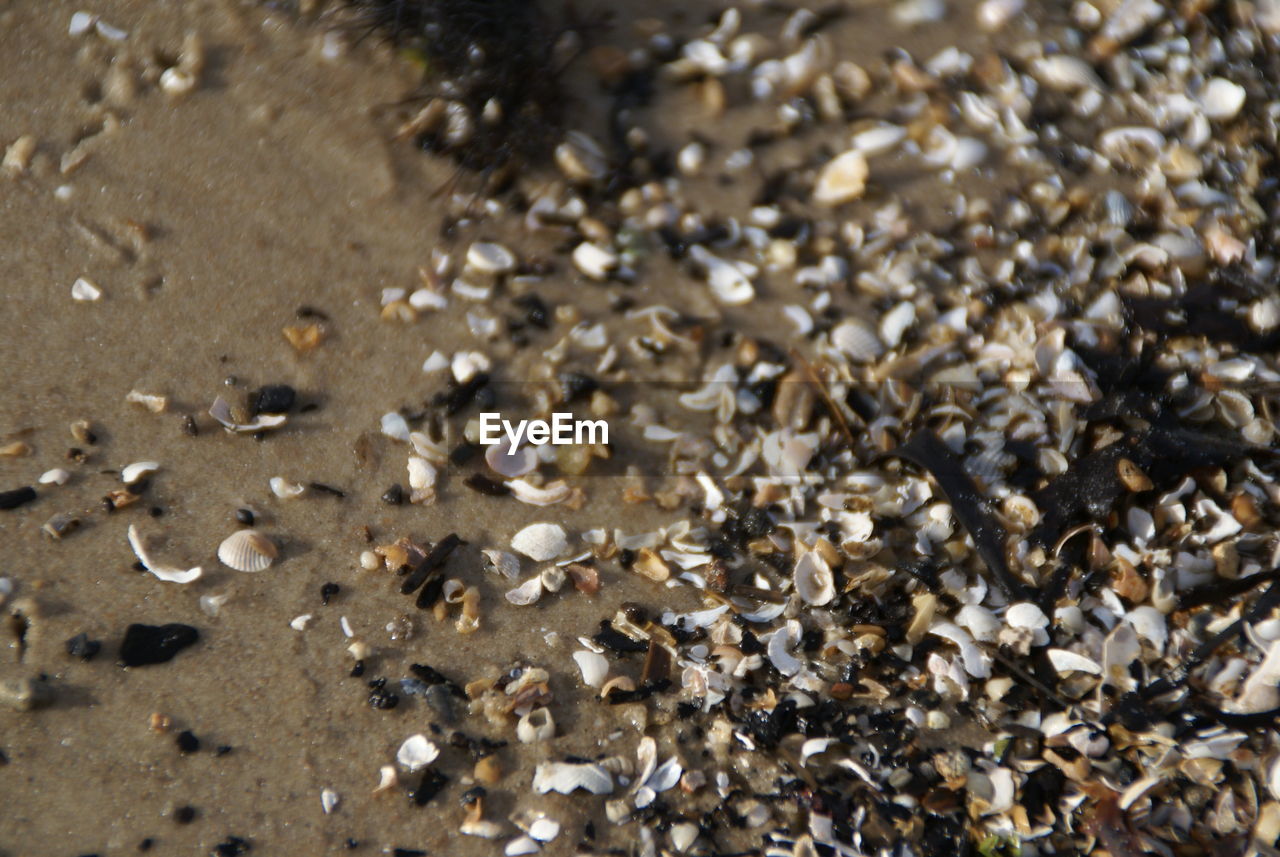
point(433, 560)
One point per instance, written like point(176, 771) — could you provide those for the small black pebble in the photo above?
point(155, 644)
point(145, 845)
point(188, 742)
point(358, 669)
point(245, 516)
point(274, 399)
point(189, 426)
point(155, 511)
point(222, 750)
point(80, 646)
point(328, 591)
point(184, 814)
point(393, 496)
point(233, 846)
point(351, 844)
point(17, 497)
point(383, 699)
point(407, 852)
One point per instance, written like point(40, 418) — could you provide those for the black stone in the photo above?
point(155, 644)
point(17, 497)
point(188, 742)
point(274, 399)
point(232, 846)
point(245, 516)
point(394, 495)
point(327, 591)
point(184, 814)
point(428, 787)
point(80, 646)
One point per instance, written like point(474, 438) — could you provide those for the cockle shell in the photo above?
point(813, 580)
point(248, 551)
point(541, 542)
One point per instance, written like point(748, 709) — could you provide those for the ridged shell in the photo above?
point(247, 550)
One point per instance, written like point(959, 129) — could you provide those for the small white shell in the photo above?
point(544, 829)
point(595, 261)
point(417, 752)
point(545, 495)
point(167, 573)
point(220, 410)
point(536, 726)
point(56, 476)
point(813, 580)
point(506, 564)
point(284, 489)
point(541, 542)
point(526, 593)
point(395, 426)
point(857, 340)
point(567, 777)
point(1065, 661)
point(133, 472)
point(486, 257)
point(85, 290)
point(328, 800)
point(729, 284)
point(422, 474)
point(509, 463)
point(1221, 99)
point(894, 323)
point(594, 666)
point(842, 180)
point(248, 551)
point(521, 846)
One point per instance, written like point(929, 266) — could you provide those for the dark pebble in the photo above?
point(393, 496)
point(327, 592)
point(145, 845)
point(428, 787)
point(245, 516)
point(188, 742)
point(358, 669)
point(274, 399)
point(232, 846)
point(80, 646)
point(155, 644)
point(184, 814)
point(17, 497)
point(383, 699)
point(222, 750)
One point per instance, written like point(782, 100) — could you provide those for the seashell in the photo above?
point(977, 663)
point(879, 139)
point(56, 476)
point(595, 261)
point(580, 158)
point(501, 562)
point(85, 290)
point(133, 472)
point(568, 777)
point(545, 495)
point(486, 257)
point(166, 573)
point(387, 779)
point(1221, 99)
point(526, 593)
point(480, 827)
point(1131, 145)
point(553, 578)
point(536, 726)
point(521, 846)
point(422, 474)
point(395, 426)
point(857, 340)
point(328, 800)
point(813, 579)
point(544, 829)
point(779, 649)
point(585, 578)
point(417, 752)
point(153, 403)
point(510, 463)
point(894, 323)
point(979, 621)
point(649, 564)
point(541, 542)
point(220, 410)
point(843, 179)
point(247, 550)
point(1065, 73)
point(1065, 661)
point(1259, 692)
point(683, 835)
point(729, 284)
point(594, 667)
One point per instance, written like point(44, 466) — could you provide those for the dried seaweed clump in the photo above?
point(490, 89)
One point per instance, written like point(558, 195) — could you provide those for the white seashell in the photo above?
point(683, 835)
point(177, 81)
point(328, 800)
point(422, 474)
point(526, 593)
point(509, 463)
point(417, 752)
point(842, 180)
point(133, 472)
point(284, 489)
point(541, 542)
point(153, 403)
point(546, 495)
point(544, 829)
point(594, 666)
point(486, 257)
point(1066, 661)
point(1065, 73)
point(56, 476)
point(1134, 145)
point(553, 578)
point(247, 550)
point(85, 290)
point(387, 779)
point(857, 340)
point(536, 726)
point(1221, 99)
point(979, 621)
point(1273, 778)
point(992, 15)
point(1119, 650)
point(520, 846)
point(879, 140)
point(977, 663)
point(482, 828)
point(1260, 692)
point(595, 261)
point(1026, 615)
point(729, 284)
point(395, 426)
point(506, 564)
point(1149, 624)
point(813, 579)
point(220, 410)
point(467, 364)
point(167, 573)
point(666, 776)
point(580, 158)
point(780, 643)
point(567, 777)
point(299, 623)
point(895, 323)
point(81, 23)
point(427, 299)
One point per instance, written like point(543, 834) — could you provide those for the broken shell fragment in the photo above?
point(85, 290)
point(167, 573)
point(567, 777)
point(221, 411)
point(138, 470)
point(417, 752)
point(526, 593)
point(247, 550)
point(486, 257)
point(536, 726)
point(842, 180)
point(594, 666)
point(541, 542)
point(813, 580)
